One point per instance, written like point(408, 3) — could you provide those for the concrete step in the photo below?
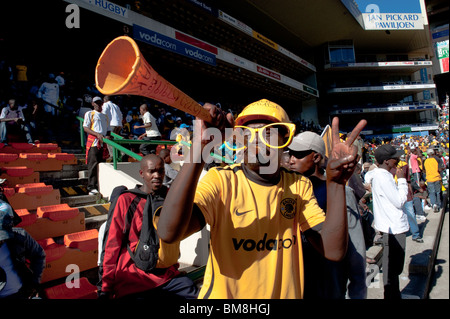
point(69, 183)
point(82, 200)
point(419, 261)
point(68, 171)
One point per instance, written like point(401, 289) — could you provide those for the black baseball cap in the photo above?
point(386, 152)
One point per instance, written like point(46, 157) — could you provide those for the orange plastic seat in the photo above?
point(22, 146)
point(57, 212)
point(4, 157)
point(61, 156)
point(47, 146)
point(33, 156)
point(18, 171)
point(9, 191)
point(27, 217)
point(34, 189)
point(84, 240)
point(86, 290)
point(47, 243)
point(54, 253)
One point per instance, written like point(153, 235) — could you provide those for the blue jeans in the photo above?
point(408, 208)
point(417, 203)
point(434, 193)
point(4, 126)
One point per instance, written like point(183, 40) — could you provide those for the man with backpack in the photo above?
point(134, 263)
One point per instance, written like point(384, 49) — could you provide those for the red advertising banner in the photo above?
point(199, 44)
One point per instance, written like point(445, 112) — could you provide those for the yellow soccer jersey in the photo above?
point(255, 248)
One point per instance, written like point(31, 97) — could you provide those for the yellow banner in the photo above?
point(265, 40)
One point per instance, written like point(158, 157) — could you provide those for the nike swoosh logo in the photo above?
point(241, 213)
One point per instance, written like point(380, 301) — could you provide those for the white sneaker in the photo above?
point(421, 218)
point(427, 207)
point(93, 192)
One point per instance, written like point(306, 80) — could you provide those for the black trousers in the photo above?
point(95, 156)
point(178, 288)
point(146, 149)
point(392, 263)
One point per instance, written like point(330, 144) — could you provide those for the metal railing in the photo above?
point(118, 140)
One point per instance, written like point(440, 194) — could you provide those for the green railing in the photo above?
point(115, 143)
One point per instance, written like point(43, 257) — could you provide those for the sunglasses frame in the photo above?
point(259, 130)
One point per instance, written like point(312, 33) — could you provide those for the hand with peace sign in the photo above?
point(344, 155)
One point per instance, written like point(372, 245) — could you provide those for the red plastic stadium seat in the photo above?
point(57, 212)
point(83, 290)
point(9, 191)
point(27, 217)
point(47, 146)
point(47, 243)
point(22, 146)
point(53, 251)
point(84, 240)
point(34, 188)
point(4, 157)
point(61, 156)
point(33, 156)
point(18, 171)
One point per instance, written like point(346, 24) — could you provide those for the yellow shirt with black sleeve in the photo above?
point(255, 246)
point(432, 170)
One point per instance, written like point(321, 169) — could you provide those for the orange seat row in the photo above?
point(30, 148)
point(39, 162)
point(79, 253)
point(82, 289)
point(32, 195)
point(19, 175)
point(51, 221)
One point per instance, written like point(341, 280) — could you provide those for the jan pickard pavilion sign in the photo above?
point(393, 21)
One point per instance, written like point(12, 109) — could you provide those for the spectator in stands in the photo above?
point(22, 259)
point(151, 131)
point(413, 164)
point(433, 177)
point(171, 173)
point(97, 127)
point(13, 120)
point(113, 113)
point(121, 277)
point(419, 200)
point(255, 209)
point(49, 93)
point(390, 220)
point(365, 169)
point(326, 279)
point(408, 207)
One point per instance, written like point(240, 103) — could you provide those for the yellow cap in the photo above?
point(262, 110)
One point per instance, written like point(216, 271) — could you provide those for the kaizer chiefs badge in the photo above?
point(288, 207)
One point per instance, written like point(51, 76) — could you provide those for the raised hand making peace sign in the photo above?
point(344, 155)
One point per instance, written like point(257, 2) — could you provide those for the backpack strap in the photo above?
point(129, 217)
point(145, 254)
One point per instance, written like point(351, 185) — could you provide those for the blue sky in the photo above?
point(391, 6)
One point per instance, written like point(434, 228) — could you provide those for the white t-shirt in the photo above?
point(97, 122)
point(153, 130)
point(8, 113)
point(388, 201)
point(49, 92)
point(112, 111)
